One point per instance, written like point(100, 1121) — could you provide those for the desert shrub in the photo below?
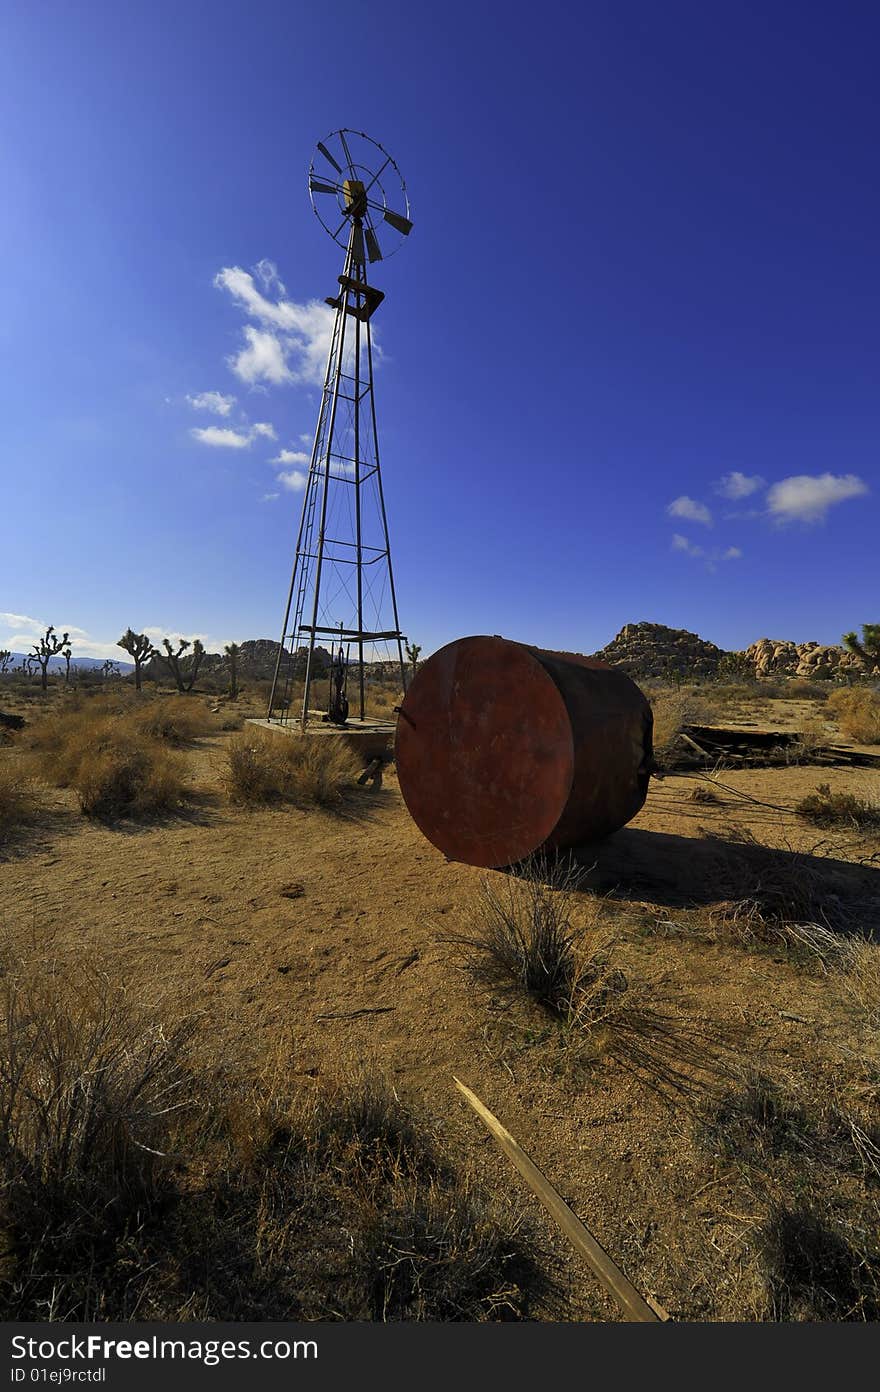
point(177, 719)
point(801, 689)
point(520, 935)
point(87, 1089)
point(129, 780)
point(264, 767)
point(113, 766)
point(857, 709)
point(16, 799)
point(521, 931)
point(673, 709)
point(705, 795)
point(775, 900)
point(825, 808)
point(134, 1186)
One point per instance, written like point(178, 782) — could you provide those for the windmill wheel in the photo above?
point(358, 195)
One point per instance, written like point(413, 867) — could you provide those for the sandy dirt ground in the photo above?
point(279, 926)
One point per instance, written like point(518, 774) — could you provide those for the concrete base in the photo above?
point(370, 739)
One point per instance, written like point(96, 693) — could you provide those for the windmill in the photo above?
point(342, 585)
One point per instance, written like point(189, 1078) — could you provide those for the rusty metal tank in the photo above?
point(503, 750)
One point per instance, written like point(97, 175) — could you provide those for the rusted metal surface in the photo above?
point(503, 750)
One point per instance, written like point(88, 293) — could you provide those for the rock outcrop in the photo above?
point(653, 650)
point(775, 657)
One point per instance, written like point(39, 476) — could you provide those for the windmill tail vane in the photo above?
point(342, 583)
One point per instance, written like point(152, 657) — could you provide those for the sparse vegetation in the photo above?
point(175, 719)
point(826, 808)
point(17, 802)
point(113, 765)
point(674, 708)
point(264, 767)
point(704, 795)
point(521, 934)
point(857, 709)
point(137, 1187)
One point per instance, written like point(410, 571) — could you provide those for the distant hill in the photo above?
point(653, 650)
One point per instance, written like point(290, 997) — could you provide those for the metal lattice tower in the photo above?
point(342, 586)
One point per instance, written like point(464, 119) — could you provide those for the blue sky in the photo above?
point(629, 352)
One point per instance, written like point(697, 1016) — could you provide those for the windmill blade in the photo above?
point(347, 153)
point(357, 244)
point(374, 250)
point(327, 155)
point(318, 186)
point(398, 222)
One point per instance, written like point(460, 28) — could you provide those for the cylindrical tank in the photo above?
point(503, 750)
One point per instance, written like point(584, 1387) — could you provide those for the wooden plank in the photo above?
point(633, 1305)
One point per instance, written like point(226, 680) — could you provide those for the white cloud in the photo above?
point(219, 436)
point(807, 497)
point(305, 439)
point(736, 485)
point(293, 340)
point(269, 497)
point(215, 402)
point(226, 438)
point(267, 272)
point(294, 481)
point(690, 509)
point(681, 543)
point(262, 360)
point(287, 456)
point(35, 627)
point(26, 630)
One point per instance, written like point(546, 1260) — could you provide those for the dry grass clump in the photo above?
point(673, 709)
point(700, 794)
point(17, 803)
point(827, 809)
point(802, 690)
point(132, 1187)
point(113, 766)
point(88, 1087)
point(811, 1165)
point(381, 701)
point(857, 710)
point(177, 719)
point(521, 936)
point(779, 899)
point(302, 769)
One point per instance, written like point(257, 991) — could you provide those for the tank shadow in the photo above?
point(687, 872)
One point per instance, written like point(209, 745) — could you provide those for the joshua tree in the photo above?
point(869, 648)
point(184, 676)
point(5, 659)
point(67, 655)
point(412, 653)
point(140, 650)
point(109, 669)
point(232, 651)
point(48, 647)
